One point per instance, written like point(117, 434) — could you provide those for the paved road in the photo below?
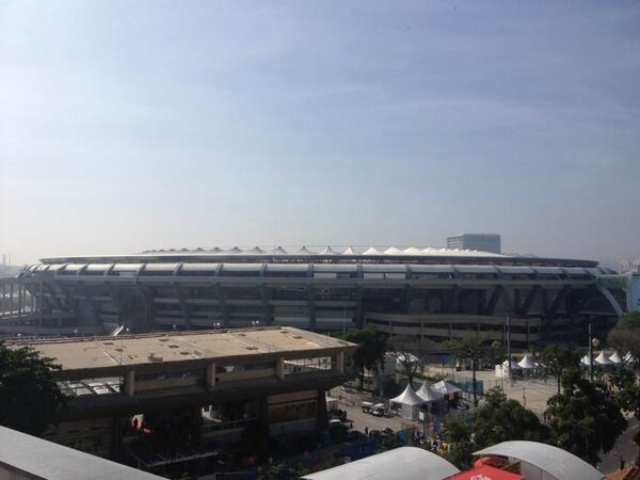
point(625, 447)
point(362, 420)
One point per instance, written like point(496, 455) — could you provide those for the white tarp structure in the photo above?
point(586, 361)
point(445, 388)
point(539, 460)
point(429, 394)
point(514, 365)
point(304, 251)
point(615, 358)
point(408, 401)
point(393, 251)
point(349, 251)
point(371, 251)
point(527, 363)
point(406, 463)
point(280, 251)
point(328, 251)
point(629, 358)
point(602, 359)
point(402, 359)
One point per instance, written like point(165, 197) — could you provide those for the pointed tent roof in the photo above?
point(445, 388)
point(349, 251)
point(393, 251)
point(615, 358)
point(304, 251)
point(328, 251)
point(255, 251)
point(526, 363)
point(428, 393)
point(233, 250)
point(602, 359)
point(629, 358)
point(215, 250)
point(408, 397)
point(371, 251)
point(280, 251)
point(413, 251)
point(585, 360)
point(514, 365)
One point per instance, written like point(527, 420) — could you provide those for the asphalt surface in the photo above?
point(625, 447)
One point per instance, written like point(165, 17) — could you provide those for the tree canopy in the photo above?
point(372, 346)
point(500, 419)
point(582, 419)
point(497, 420)
point(555, 360)
point(29, 397)
point(625, 336)
point(476, 350)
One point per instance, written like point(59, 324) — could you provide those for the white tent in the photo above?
point(402, 358)
point(629, 358)
point(304, 251)
point(429, 394)
point(445, 388)
point(280, 251)
point(328, 251)
point(393, 251)
point(615, 358)
point(255, 251)
point(514, 365)
point(585, 360)
point(413, 251)
point(349, 251)
point(408, 401)
point(371, 251)
point(527, 363)
point(602, 359)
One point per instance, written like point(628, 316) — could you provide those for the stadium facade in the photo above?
point(428, 293)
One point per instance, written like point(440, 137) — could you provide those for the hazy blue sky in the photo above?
point(128, 125)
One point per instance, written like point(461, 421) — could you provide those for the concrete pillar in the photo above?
point(280, 368)
point(131, 383)
point(321, 414)
point(211, 375)
point(340, 362)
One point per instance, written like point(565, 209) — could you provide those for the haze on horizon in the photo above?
point(127, 126)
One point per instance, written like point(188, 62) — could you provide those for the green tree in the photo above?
point(372, 346)
point(475, 350)
point(555, 360)
point(29, 397)
point(279, 471)
point(458, 433)
point(625, 336)
point(582, 419)
point(500, 419)
point(626, 389)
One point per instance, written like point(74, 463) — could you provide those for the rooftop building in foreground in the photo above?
point(24, 457)
point(513, 460)
point(429, 293)
point(198, 390)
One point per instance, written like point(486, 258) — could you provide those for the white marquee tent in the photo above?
point(615, 358)
point(429, 394)
point(408, 402)
point(527, 363)
point(602, 359)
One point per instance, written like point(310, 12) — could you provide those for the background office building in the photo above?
point(483, 242)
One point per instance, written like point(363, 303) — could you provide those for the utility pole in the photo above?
point(591, 351)
point(509, 341)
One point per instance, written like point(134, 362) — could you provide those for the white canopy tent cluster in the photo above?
point(603, 360)
point(409, 400)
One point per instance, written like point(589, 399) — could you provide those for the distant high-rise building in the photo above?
point(484, 242)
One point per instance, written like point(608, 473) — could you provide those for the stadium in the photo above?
point(426, 293)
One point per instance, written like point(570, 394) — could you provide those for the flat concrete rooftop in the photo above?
point(91, 353)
